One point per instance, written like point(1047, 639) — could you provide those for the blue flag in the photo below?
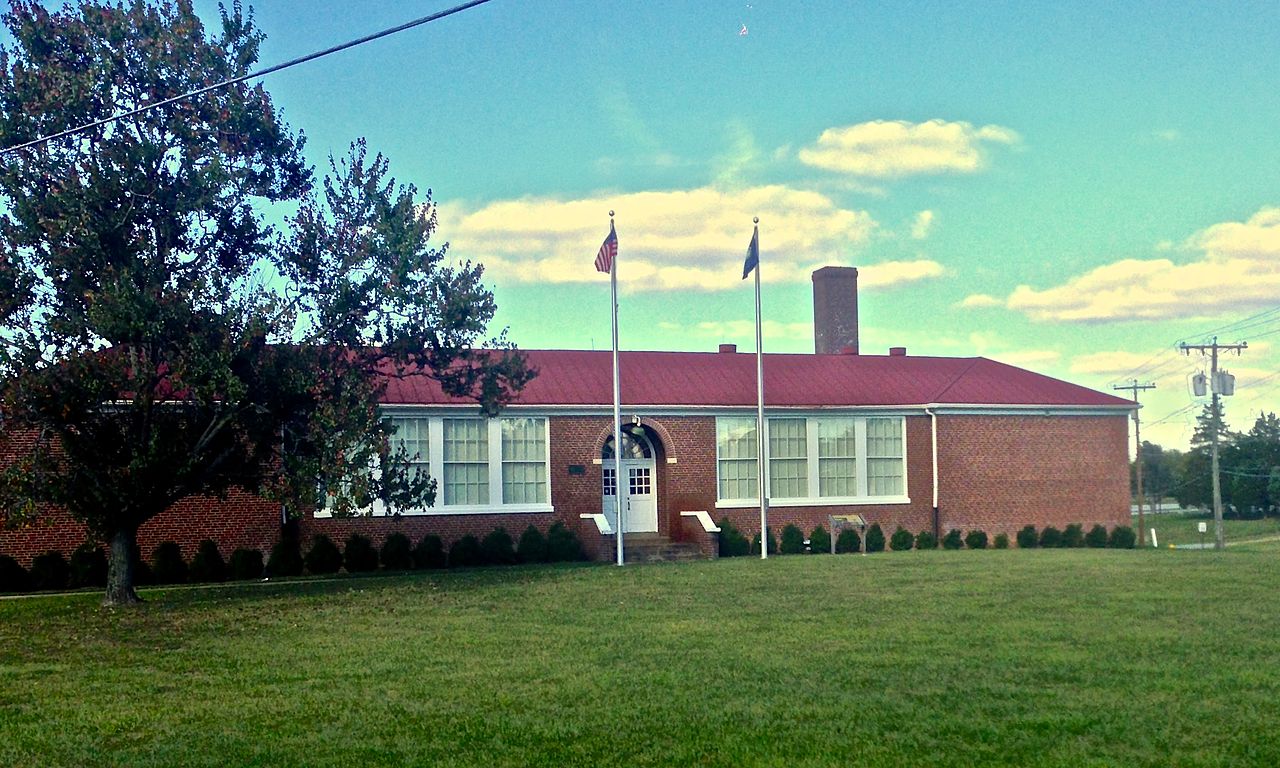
point(753, 254)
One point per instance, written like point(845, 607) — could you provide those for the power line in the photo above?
point(260, 73)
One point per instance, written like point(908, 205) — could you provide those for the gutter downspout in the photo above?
point(933, 437)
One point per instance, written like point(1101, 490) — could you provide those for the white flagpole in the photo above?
point(762, 443)
point(620, 486)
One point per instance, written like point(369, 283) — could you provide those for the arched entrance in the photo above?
point(640, 471)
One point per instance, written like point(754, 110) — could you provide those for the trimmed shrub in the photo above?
point(286, 558)
point(875, 538)
point(976, 540)
point(465, 553)
point(396, 553)
point(953, 539)
point(359, 555)
point(532, 547)
point(1027, 538)
point(1096, 537)
point(88, 566)
point(1050, 537)
point(498, 548)
point(733, 543)
point(324, 557)
point(1073, 536)
point(848, 541)
point(245, 564)
point(926, 540)
point(1122, 537)
point(792, 541)
point(773, 543)
point(1002, 541)
point(208, 564)
point(819, 541)
point(563, 545)
point(429, 553)
point(167, 564)
point(13, 577)
point(901, 540)
point(50, 571)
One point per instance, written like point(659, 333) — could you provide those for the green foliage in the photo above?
point(359, 555)
point(1096, 537)
point(953, 540)
point(772, 545)
point(465, 553)
point(532, 547)
point(976, 540)
point(563, 545)
point(286, 557)
point(13, 577)
point(208, 565)
point(167, 564)
point(131, 259)
point(324, 557)
point(901, 540)
point(820, 541)
point(1027, 538)
point(1002, 541)
point(50, 571)
point(497, 548)
point(245, 564)
point(1050, 537)
point(733, 543)
point(396, 553)
point(926, 540)
point(428, 554)
point(875, 538)
point(848, 541)
point(1073, 536)
point(792, 540)
point(88, 566)
point(1122, 537)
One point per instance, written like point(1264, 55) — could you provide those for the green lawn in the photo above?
point(1181, 528)
point(1019, 658)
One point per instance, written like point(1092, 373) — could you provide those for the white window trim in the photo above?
point(811, 438)
point(435, 464)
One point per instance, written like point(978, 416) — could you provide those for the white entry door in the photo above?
point(642, 496)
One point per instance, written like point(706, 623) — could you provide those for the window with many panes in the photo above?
point(736, 457)
point(788, 459)
point(884, 457)
point(524, 461)
point(466, 462)
point(837, 456)
point(412, 434)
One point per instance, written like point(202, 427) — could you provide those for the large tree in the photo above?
point(159, 338)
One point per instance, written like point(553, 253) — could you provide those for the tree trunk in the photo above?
point(120, 569)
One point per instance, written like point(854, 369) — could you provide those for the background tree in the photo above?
point(1249, 462)
point(1195, 482)
point(1160, 470)
point(159, 339)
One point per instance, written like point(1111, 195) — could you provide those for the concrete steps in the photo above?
point(652, 548)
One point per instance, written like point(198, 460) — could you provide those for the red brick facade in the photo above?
point(996, 473)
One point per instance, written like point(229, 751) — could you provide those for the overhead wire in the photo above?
point(235, 80)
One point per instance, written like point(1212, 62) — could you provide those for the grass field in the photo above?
point(1179, 528)
point(1020, 658)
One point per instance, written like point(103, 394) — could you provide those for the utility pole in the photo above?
point(1219, 539)
point(1135, 387)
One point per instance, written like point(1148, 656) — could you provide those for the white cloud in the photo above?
point(667, 240)
point(922, 224)
point(889, 274)
point(980, 301)
point(1237, 267)
point(894, 148)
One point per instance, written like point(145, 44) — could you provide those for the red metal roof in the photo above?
point(585, 378)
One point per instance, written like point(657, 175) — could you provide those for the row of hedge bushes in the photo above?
point(87, 566)
point(733, 543)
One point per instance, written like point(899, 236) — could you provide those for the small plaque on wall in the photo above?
point(577, 469)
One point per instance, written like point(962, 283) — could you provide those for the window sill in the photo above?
point(825, 501)
point(488, 509)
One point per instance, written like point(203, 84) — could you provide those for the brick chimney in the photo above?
point(835, 310)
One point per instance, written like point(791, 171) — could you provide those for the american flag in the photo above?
point(608, 251)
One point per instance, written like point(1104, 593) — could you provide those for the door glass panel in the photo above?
point(640, 484)
point(610, 482)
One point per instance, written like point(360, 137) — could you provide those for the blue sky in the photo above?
point(1070, 187)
